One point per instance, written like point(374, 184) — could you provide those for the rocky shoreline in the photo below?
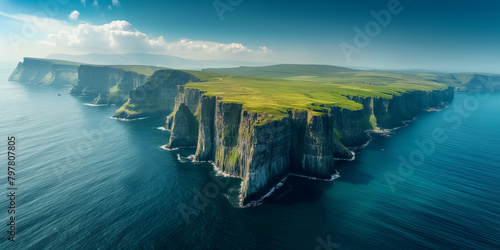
point(263, 153)
point(259, 148)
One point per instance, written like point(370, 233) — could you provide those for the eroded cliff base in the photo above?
point(262, 149)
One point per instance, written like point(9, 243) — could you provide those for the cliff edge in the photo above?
point(107, 84)
point(262, 148)
point(156, 96)
point(45, 72)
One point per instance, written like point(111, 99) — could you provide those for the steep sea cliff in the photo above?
point(132, 189)
point(263, 151)
point(107, 85)
point(155, 97)
point(257, 147)
point(45, 72)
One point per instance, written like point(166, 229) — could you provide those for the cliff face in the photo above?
point(45, 72)
point(263, 151)
point(185, 105)
point(157, 96)
point(206, 146)
point(484, 83)
point(467, 82)
point(391, 113)
point(106, 84)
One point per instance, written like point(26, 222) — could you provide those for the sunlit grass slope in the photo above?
point(276, 96)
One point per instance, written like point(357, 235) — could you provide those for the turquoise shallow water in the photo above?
point(86, 181)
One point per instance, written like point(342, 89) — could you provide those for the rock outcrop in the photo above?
point(108, 85)
point(45, 72)
point(262, 151)
point(483, 82)
point(157, 96)
point(467, 82)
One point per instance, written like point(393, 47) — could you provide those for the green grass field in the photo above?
point(285, 70)
point(275, 96)
point(274, 90)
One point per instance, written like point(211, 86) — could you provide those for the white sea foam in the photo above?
point(183, 159)
point(388, 131)
point(174, 149)
point(352, 149)
point(434, 109)
point(350, 159)
point(95, 105)
point(218, 172)
point(129, 120)
point(333, 177)
point(367, 143)
point(279, 185)
point(260, 200)
point(163, 129)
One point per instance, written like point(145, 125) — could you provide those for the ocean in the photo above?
point(85, 181)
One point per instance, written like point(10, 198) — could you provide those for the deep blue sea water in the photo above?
point(89, 182)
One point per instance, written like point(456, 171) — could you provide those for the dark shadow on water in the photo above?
point(350, 172)
point(147, 123)
point(298, 190)
point(295, 190)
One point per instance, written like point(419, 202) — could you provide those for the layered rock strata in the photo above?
point(262, 150)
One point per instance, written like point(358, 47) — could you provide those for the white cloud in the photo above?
point(84, 4)
point(74, 15)
point(122, 37)
point(207, 47)
point(96, 4)
point(23, 36)
point(212, 50)
point(116, 3)
point(46, 36)
point(265, 50)
point(117, 36)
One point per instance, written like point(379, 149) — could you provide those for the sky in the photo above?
point(383, 34)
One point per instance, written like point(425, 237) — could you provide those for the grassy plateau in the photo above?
point(315, 91)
